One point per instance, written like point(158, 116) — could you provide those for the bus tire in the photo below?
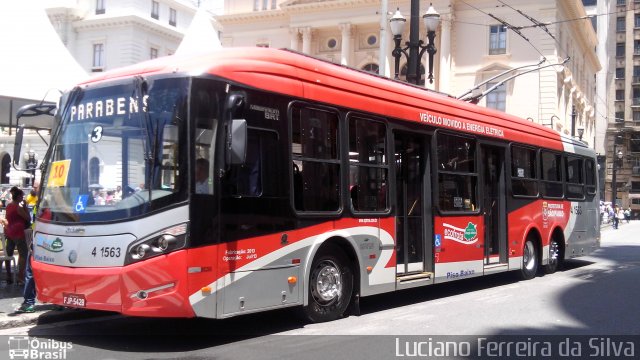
point(529, 260)
point(554, 257)
point(330, 285)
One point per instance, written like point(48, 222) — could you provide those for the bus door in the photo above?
point(494, 207)
point(414, 250)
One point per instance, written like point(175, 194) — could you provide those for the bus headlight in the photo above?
point(142, 250)
point(164, 241)
point(159, 243)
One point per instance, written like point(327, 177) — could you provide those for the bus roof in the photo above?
point(306, 77)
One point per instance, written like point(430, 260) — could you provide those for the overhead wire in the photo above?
point(506, 24)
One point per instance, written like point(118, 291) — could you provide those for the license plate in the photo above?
point(75, 300)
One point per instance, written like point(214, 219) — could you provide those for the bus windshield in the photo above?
point(116, 153)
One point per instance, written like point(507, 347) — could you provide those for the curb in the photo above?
point(45, 313)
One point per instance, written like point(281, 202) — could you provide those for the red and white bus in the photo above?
point(254, 179)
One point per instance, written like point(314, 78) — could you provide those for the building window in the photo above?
point(620, 49)
point(589, 2)
point(262, 45)
point(620, 24)
point(274, 4)
point(372, 40)
point(372, 68)
point(636, 21)
point(620, 115)
point(98, 56)
point(172, 17)
point(155, 10)
point(636, 117)
point(636, 96)
point(497, 39)
point(635, 187)
point(636, 47)
point(622, 2)
point(620, 95)
point(620, 73)
point(634, 142)
point(497, 99)
point(153, 53)
point(332, 43)
point(265, 4)
point(99, 7)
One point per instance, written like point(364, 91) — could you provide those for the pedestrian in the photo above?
point(612, 218)
point(620, 214)
point(29, 291)
point(627, 214)
point(18, 219)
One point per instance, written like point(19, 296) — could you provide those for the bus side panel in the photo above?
point(522, 220)
point(458, 247)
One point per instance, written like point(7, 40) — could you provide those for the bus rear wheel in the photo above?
point(330, 285)
point(554, 257)
point(529, 260)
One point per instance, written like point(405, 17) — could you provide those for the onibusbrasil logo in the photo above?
point(26, 347)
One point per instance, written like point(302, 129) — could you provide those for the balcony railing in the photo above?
point(635, 102)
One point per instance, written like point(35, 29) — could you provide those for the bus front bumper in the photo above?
point(156, 287)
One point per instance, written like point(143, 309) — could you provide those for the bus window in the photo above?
point(524, 180)
point(590, 176)
point(314, 148)
point(205, 112)
point(551, 174)
point(368, 165)
point(574, 178)
point(248, 179)
point(457, 173)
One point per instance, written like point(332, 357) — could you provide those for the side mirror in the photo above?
point(238, 142)
point(17, 145)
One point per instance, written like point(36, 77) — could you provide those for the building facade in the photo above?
point(107, 34)
point(103, 35)
point(622, 145)
point(475, 41)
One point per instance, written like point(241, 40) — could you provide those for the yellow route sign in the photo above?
point(59, 172)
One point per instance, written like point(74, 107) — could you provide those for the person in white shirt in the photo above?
point(202, 176)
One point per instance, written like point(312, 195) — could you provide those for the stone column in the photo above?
point(306, 40)
point(295, 38)
point(445, 66)
point(345, 54)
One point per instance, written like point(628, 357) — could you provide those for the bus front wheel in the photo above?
point(330, 285)
point(529, 260)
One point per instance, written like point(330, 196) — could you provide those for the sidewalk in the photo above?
point(11, 298)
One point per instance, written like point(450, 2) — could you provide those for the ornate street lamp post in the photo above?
point(415, 46)
point(617, 157)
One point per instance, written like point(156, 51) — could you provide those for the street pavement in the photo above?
point(11, 298)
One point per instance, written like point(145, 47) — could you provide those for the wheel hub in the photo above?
point(328, 284)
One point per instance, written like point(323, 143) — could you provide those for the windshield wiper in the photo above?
point(145, 124)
